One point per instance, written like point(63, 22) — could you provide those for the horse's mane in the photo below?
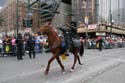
point(54, 32)
point(53, 37)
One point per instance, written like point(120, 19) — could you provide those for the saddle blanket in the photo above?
point(76, 43)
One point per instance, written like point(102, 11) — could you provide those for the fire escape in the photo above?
point(47, 9)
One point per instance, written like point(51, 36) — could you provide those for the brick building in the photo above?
point(9, 13)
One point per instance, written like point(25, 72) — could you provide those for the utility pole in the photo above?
point(101, 1)
point(110, 18)
point(38, 15)
point(17, 16)
point(118, 12)
point(29, 20)
point(28, 12)
point(86, 19)
point(78, 12)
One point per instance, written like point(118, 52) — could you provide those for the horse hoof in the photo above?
point(80, 63)
point(46, 73)
point(71, 70)
point(63, 72)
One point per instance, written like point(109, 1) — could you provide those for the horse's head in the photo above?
point(51, 33)
point(45, 29)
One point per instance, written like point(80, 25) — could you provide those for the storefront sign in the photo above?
point(93, 26)
point(101, 34)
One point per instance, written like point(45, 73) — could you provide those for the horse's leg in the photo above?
point(48, 65)
point(76, 56)
point(61, 65)
point(75, 59)
point(79, 61)
point(81, 52)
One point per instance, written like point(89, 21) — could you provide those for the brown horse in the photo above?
point(55, 47)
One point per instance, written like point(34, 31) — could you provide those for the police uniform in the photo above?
point(69, 34)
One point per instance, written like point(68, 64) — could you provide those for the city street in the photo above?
point(66, 24)
point(107, 66)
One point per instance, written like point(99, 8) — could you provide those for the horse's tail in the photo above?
point(81, 52)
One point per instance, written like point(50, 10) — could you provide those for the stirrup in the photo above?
point(67, 54)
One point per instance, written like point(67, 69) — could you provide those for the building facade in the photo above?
point(114, 9)
point(9, 13)
point(59, 19)
point(85, 8)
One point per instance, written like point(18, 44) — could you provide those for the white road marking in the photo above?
point(94, 71)
point(97, 68)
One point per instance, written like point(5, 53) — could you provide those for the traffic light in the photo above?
point(24, 23)
point(30, 23)
point(27, 23)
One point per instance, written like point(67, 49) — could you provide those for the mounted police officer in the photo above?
point(70, 33)
point(73, 29)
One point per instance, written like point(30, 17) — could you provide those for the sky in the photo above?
point(2, 2)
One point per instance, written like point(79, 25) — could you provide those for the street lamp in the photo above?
point(86, 18)
point(118, 12)
point(28, 13)
point(112, 22)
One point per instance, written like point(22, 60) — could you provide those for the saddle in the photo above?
point(74, 43)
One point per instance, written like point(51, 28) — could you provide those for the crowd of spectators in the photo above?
point(109, 43)
point(9, 44)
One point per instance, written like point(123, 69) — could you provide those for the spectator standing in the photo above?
point(37, 43)
point(40, 44)
point(31, 46)
point(7, 45)
point(13, 42)
point(19, 42)
point(100, 41)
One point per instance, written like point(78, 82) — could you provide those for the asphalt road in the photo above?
point(107, 66)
